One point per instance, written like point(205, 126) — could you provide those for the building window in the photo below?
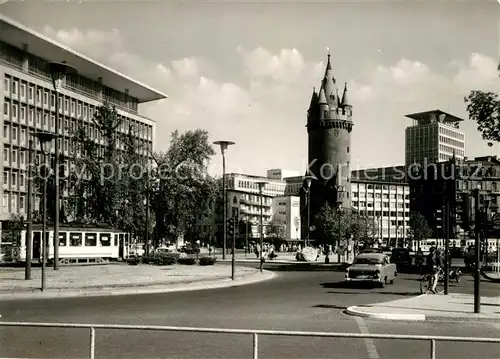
point(5, 178)
point(52, 100)
point(14, 134)
point(6, 155)
point(66, 105)
point(6, 85)
point(6, 109)
point(14, 156)
point(6, 132)
point(14, 179)
point(14, 111)
point(23, 91)
point(15, 85)
point(73, 108)
point(21, 179)
point(31, 92)
point(21, 202)
point(46, 98)
point(23, 113)
point(79, 110)
point(30, 116)
point(21, 157)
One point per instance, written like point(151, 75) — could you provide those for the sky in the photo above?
point(244, 71)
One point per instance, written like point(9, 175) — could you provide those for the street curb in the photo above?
point(360, 311)
point(176, 287)
point(357, 312)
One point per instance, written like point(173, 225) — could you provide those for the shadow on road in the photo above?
point(303, 267)
point(329, 306)
point(403, 294)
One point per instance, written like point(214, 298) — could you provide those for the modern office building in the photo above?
point(434, 137)
point(27, 100)
point(287, 210)
point(384, 194)
point(281, 174)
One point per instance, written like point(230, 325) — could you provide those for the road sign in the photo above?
point(496, 219)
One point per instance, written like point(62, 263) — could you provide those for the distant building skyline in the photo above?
point(227, 70)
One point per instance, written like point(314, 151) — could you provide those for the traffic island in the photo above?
point(123, 279)
point(432, 307)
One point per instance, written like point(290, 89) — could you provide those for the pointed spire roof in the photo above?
point(322, 97)
point(345, 100)
point(328, 85)
point(314, 99)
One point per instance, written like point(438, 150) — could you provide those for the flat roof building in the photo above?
point(27, 100)
point(434, 137)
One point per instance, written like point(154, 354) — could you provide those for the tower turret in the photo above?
point(329, 85)
point(345, 100)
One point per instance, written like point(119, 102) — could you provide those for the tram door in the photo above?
point(36, 244)
point(121, 246)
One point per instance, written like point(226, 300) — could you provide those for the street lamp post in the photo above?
point(29, 225)
point(477, 269)
point(223, 147)
point(340, 190)
point(44, 137)
point(58, 72)
point(308, 180)
point(261, 187)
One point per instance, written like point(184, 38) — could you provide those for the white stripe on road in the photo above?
point(370, 345)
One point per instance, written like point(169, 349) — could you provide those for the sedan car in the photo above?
point(371, 267)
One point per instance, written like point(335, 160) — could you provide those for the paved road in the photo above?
point(312, 301)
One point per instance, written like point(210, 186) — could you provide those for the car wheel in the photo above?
point(383, 283)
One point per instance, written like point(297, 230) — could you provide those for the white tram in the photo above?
point(76, 245)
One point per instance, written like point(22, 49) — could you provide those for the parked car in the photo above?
point(370, 250)
point(371, 267)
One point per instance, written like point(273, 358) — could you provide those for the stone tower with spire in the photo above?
point(329, 126)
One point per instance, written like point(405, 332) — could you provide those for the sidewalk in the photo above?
point(120, 279)
point(452, 307)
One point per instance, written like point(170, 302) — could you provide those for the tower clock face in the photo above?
point(332, 96)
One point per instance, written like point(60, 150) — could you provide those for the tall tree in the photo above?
point(484, 108)
point(104, 181)
point(335, 225)
point(184, 192)
point(275, 229)
point(419, 228)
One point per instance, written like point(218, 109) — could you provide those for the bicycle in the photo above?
point(428, 278)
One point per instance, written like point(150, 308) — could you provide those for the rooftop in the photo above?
point(437, 115)
point(18, 35)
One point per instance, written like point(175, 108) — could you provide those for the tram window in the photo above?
point(63, 239)
point(75, 239)
point(105, 239)
point(116, 240)
point(90, 239)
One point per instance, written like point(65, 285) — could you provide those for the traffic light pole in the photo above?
point(477, 273)
point(233, 246)
point(446, 219)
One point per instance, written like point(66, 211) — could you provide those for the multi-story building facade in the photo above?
point(384, 194)
point(27, 100)
point(454, 182)
point(434, 137)
point(287, 210)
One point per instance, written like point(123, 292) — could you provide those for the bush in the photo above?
point(186, 261)
point(207, 261)
point(162, 260)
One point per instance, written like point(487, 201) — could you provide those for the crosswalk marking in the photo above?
point(370, 345)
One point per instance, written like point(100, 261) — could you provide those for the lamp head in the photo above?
point(58, 71)
point(223, 145)
point(308, 180)
point(44, 137)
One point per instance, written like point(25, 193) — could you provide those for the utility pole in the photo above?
point(477, 273)
point(29, 227)
point(233, 249)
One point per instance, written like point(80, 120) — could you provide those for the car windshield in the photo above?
point(368, 261)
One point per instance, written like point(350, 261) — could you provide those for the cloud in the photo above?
point(264, 109)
